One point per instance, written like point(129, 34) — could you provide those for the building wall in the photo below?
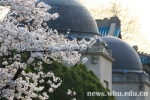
point(127, 87)
point(94, 67)
point(147, 89)
point(100, 68)
point(135, 82)
point(106, 71)
point(100, 62)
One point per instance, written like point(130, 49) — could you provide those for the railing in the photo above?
point(131, 78)
point(99, 48)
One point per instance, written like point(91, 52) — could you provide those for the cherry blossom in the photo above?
point(24, 30)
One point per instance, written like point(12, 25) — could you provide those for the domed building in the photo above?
point(127, 72)
point(126, 58)
point(72, 16)
point(117, 65)
point(76, 18)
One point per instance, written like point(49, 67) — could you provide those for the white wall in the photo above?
point(147, 89)
point(103, 69)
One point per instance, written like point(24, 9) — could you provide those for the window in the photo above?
point(106, 84)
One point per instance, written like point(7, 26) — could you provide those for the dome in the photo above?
point(73, 16)
point(126, 58)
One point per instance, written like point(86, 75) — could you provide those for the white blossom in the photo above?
point(51, 90)
point(39, 55)
point(69, 92)
point(22, 32)
point(84, 60)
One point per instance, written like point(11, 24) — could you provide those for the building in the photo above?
point(72, 16)
point(145, 59)
point(76, 18)
point(115, 63)
point(109, 27)
point(127, 71)
point(129, 68)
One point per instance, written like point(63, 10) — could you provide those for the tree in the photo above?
point(78, 79)
point(82, 81)
point(25, 38)
point(130, 24)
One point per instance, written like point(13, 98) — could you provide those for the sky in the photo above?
point(139, 7)
point(142, 9)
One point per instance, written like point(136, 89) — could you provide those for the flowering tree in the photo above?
point(24, 37)
point(80, 79)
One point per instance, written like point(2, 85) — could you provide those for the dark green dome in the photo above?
point(73, 16)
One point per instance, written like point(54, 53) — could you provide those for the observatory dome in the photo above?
point(126, 58)
point(73, 16)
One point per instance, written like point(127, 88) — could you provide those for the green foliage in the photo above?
point(78, 79)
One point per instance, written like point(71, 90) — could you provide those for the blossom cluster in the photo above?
point(24, 29)
point(71, 93)
point(24, 86)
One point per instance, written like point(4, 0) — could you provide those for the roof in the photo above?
point(109, 27)
point(126, 58)
point(145, 58)
point(73, 16)
point(105, 30)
